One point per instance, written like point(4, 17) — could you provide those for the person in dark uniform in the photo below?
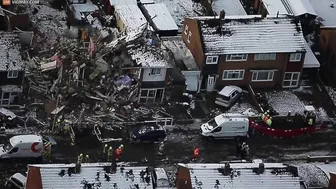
point(238, 149)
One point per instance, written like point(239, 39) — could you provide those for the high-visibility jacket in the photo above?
point(80, 159)
point(110, 152)
point(269, 122)
point(310, 121)
point(263, 116)
point(105, 149)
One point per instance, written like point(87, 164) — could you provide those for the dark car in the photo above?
point(147, 133)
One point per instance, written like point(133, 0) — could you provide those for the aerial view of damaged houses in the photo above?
point(167, 94)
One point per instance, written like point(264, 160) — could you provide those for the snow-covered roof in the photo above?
point(149, 57)
point(274, 6)
point(251, 34)
point(231, 7)
point(123, 2)
point(227, 90)
point(161, 17)
point(131, 16)
point(325, 12)
point(327, 168)
point(48, 175)
point(83, 8)
point(243, 176)
point(10, 51)
point(146, 1)
point(310, 60)
point(299, 7)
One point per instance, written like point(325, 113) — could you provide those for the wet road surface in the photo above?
point(179, 148)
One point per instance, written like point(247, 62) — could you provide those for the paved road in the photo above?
point(179, 146)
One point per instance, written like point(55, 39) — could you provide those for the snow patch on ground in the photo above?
point(304, 89)
point(332, 93)
point(284, 101)
point(312, 175)
point(241, 107)
point(180, 9)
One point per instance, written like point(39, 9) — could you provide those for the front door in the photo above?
point(211, 83)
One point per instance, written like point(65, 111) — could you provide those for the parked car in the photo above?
point(17, 181)
point(147, 133)
point(228, 96)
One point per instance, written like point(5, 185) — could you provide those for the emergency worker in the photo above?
point(80, 159)
point(196, 153)
point(269, 121)
point(310, 121)
point(118, 153)
point(110, 154)
point(87, 158)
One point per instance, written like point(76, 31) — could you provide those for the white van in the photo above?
point(22, 146)
point(227, 125)
point(228, 96)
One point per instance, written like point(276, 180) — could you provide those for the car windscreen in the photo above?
point(222, 97)
point(213, 123)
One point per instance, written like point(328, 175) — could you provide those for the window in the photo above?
point(189, 37)
point(295, 57)
point(155, 71)
point(266, 56)
point(186, 29)
point(211, 60)
point(262, 76)
point(14, 150)
point(218, 129)
point(291, 79)
point(233, 74)
point(236, 57)
point(12, 74)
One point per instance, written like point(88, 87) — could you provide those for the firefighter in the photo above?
point(118, 152)
point(263, 116)
point(243, 151)
point(161, 146)
point(269, 121)
point(110, 154)
point(87, 158)
point(106, 147)
point(196, 153)
point(47, 151)
point(121, 149)
point(80, 159)
point(310, 121)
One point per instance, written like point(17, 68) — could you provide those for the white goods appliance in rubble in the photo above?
point(228, 96)
point(22, 146)
point(226, 125)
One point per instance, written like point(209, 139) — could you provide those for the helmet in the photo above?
point(80, 154)
point(87, 156)
point(244, 143)
point(110, 148)
point(106, 145)
point(121, 145)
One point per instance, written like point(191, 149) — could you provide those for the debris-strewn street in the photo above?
point(159, 93)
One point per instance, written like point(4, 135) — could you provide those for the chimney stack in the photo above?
point(222, 14)
point(332, 5)
point(277, 14)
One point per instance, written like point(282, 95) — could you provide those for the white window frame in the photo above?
point(270, 75)
point(147, 97)
point(228, 72)
point(243, 57)
point(186, 29)
point(189, 37)
point(12, 74)
point(210, 60)
point(295, 57)
point(11, 95)
point(155, 71)
point(265, 56)
point(291, 80)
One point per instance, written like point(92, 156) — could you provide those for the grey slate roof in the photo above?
point(251, 34)
point(276, 175)
point(121, 179)
point(10, 51)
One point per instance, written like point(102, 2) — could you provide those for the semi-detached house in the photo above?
point(246, 50)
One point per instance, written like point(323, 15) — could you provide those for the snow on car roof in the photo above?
point(222, 118)
point(245, 34)
point(227, 90)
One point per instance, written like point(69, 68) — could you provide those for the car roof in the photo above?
point(20, 177)
point(227, 90)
